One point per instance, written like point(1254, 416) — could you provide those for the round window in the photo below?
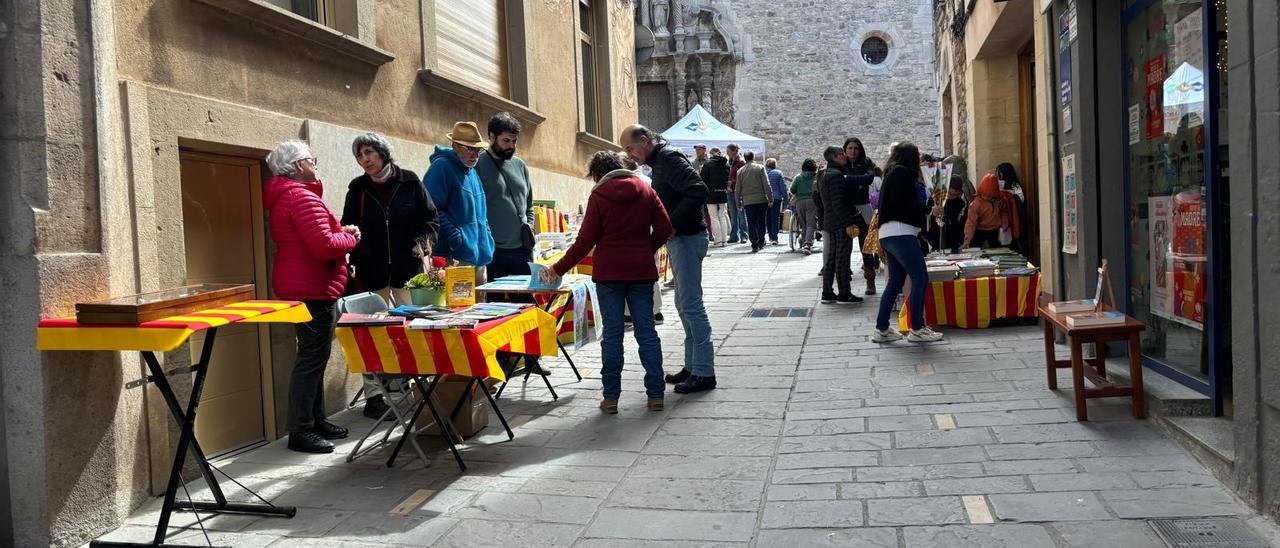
point(875, 50)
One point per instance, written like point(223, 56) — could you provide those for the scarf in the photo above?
point(384, 175)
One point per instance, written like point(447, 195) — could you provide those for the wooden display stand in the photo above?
point(1077, 337)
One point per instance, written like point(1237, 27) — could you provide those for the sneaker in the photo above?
point(923, 334)
point(886, 336)
point(733, 240)
point(696, 384)
point(774, 242)
point(658, 319)
point(656, 405)
point(309, 442)
point(329, 431)
point(829, 298)
point(848, 299)
point(806, 250)
point(678, 378)
point(609, 407)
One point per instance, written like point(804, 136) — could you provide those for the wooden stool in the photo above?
point(1129, 331)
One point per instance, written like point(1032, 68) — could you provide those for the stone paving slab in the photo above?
point(815, 437)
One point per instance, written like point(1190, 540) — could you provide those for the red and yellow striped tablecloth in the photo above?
point(976, 302)
point(550, 220)
point(466, 352)
point(164, 334)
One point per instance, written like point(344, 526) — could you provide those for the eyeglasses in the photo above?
point(313, 161)
point(468, 149)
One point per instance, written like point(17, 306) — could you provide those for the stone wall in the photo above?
point(804, 85)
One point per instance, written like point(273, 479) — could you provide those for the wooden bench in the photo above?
point(1094, 369)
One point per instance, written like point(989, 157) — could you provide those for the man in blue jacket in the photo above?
point(459, 198)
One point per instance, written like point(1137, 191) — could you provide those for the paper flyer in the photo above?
point(1188, 258)
point(1160, 258)
point(1154, 96)
point(1070, 206)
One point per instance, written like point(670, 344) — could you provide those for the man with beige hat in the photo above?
point(459, 199)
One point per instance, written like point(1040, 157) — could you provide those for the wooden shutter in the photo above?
point(471, 41)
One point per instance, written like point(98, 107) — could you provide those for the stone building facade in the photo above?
point(112, 113)
point(800, 75)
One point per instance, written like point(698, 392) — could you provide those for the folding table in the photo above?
point(426, 356)
point(165, 335)
point(556, 302)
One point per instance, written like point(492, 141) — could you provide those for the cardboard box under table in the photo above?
point(164, 335)
point(427, 356)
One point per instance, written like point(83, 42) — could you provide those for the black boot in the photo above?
point(375, 408)
point(329, 431)
point(678, 378)
point(309, 442)
point(871, 282)
point(696, 384)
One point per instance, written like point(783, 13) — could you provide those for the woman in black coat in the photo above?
point(901, 219)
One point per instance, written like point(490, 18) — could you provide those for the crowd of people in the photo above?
point(474, 207)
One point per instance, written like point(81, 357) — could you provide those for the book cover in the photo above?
point(1064, 307)
point(1089, 319)
point(366, 320)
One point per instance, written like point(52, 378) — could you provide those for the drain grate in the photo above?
point(779, 312)
point(1206, 533)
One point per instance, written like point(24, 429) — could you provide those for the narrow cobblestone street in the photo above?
point(815, 437)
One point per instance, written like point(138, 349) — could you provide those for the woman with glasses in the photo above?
point(310, 265)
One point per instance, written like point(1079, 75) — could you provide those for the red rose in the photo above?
point(438, 262)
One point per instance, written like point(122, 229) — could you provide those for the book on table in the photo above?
point(368, 320)
point(442, 323)
point(1094, 319)
point(1068, 307)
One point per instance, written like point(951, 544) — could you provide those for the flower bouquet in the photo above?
point(428, 287)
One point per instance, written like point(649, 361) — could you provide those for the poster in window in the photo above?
point(1154, 96)
point(1188, 258)
point(1160, 247)
point(1070, 205)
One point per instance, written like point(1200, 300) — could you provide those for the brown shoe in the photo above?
point(656, 405)
point(610, 407)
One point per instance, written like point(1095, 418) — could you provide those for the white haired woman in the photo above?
point(310, 265)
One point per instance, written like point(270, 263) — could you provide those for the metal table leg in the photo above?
point(187, 441)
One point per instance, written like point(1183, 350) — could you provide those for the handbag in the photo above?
point(871, 244)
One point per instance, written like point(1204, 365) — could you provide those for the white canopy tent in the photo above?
point(699, 126)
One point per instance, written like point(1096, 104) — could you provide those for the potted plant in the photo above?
point(428, 288)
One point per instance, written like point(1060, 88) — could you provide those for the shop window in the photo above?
point(875, 51)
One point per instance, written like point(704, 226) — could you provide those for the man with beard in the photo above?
point(509, 200)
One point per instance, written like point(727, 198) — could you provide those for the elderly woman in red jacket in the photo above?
point(625, 223)
point(310, 265)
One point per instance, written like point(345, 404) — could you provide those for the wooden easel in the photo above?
point(1104, 274)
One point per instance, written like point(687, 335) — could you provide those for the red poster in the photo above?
point(1154, 96)
point(1188, 257)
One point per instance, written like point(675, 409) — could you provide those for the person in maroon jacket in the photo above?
point(310, 265)
point(625, 223)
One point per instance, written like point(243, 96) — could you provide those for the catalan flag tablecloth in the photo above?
point(465, 352)
point(975, 302)
point(164, 334)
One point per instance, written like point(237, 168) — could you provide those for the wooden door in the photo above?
point(1027, 144)
point(655, 105)
point(224, 241)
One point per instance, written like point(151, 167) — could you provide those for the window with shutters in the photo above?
point(591, 25)
point(477, 49)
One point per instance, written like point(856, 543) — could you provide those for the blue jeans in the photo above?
point(686, 254)
point(775, 218)
point(639, 296)
point(736, 230)
point(905, 259)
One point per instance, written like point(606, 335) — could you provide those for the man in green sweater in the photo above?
point(509, 197)
point(806, 210)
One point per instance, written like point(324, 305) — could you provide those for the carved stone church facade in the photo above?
point(800, 74)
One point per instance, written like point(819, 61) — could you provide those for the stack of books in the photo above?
point(1006, 259)
point(369, 320)
point(941, 270)
point(976, 268)
point(1068, 307)
point(1094, 319)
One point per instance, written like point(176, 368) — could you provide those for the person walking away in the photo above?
point(397, 222)
point(840, 222)
point(988, 213)
point(755, 197)
point(737, 218)
point(310, 265)
point(901, 219)
point(508, 197)
point(1017, 199)
point(715, 173)
point(802, 196)
point(625, 223)
point(863, 171)
point(684, 196)
point(778, 186)
point(459, 197)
